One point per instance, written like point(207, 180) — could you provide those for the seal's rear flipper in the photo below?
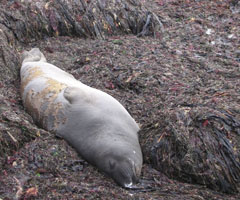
point(34, 55)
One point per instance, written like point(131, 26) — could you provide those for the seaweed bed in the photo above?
point(188, 77)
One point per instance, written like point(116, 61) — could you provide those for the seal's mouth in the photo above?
point(129, 185)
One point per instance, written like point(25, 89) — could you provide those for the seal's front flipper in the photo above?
point(75, 94)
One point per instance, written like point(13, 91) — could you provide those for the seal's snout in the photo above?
point(123, 172)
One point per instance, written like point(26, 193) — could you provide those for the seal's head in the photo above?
point(124, 169)
point(34, 55)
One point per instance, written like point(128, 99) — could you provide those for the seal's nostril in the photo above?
point(112, 164)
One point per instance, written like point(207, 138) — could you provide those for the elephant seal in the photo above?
point(93, 122)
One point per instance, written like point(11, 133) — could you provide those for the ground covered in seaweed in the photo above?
point(195, 61)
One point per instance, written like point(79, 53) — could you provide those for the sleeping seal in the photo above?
point(93, 122)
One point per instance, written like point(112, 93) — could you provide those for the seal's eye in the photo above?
point(112, 164)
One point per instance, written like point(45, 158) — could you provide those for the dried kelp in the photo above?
point(31, 20)
point(196, 145)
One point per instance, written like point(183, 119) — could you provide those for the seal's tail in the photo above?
point(34, 55)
